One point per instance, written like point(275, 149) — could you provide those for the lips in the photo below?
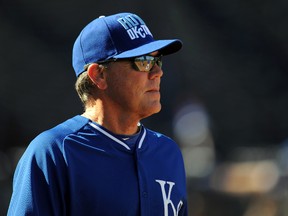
point(154, 90)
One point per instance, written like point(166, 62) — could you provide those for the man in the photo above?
point(105, 162)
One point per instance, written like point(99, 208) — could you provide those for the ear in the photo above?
point(95, 73)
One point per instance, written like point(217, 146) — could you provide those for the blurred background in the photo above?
point(224, 95)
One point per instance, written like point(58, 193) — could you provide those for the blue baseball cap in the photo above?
point(118, 36)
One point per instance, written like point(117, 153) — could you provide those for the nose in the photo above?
point(156, 72)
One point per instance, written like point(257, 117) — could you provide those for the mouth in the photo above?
point(154, 90)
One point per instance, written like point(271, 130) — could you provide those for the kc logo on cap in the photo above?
point(134, 26)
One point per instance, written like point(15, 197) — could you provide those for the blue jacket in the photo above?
point(79, 168)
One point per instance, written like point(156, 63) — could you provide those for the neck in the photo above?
point(113, 121)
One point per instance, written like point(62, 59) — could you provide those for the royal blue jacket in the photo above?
point(79, 168)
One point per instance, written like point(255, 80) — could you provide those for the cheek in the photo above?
point(128, 84)
point(124, 90)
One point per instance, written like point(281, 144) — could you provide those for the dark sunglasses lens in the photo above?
point(159, 61)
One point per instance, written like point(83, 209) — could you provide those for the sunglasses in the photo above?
point(142, 63)
point(146, 63)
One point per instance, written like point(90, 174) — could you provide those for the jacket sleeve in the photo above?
point(39, 181)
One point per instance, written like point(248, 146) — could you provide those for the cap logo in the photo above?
point(134, 26)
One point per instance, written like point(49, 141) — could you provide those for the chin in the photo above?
point(152, 111)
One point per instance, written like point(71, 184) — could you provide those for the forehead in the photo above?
point(156, 53)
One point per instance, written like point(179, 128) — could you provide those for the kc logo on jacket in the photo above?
point(167, 197)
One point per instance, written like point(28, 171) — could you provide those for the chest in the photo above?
point(104, 182)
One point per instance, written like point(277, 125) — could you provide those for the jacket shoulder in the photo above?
point(52, 139)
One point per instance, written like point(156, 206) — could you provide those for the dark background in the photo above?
point(233, 63)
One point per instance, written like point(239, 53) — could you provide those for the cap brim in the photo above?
point(165, 47)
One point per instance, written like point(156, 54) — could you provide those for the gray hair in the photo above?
point(84, 87)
